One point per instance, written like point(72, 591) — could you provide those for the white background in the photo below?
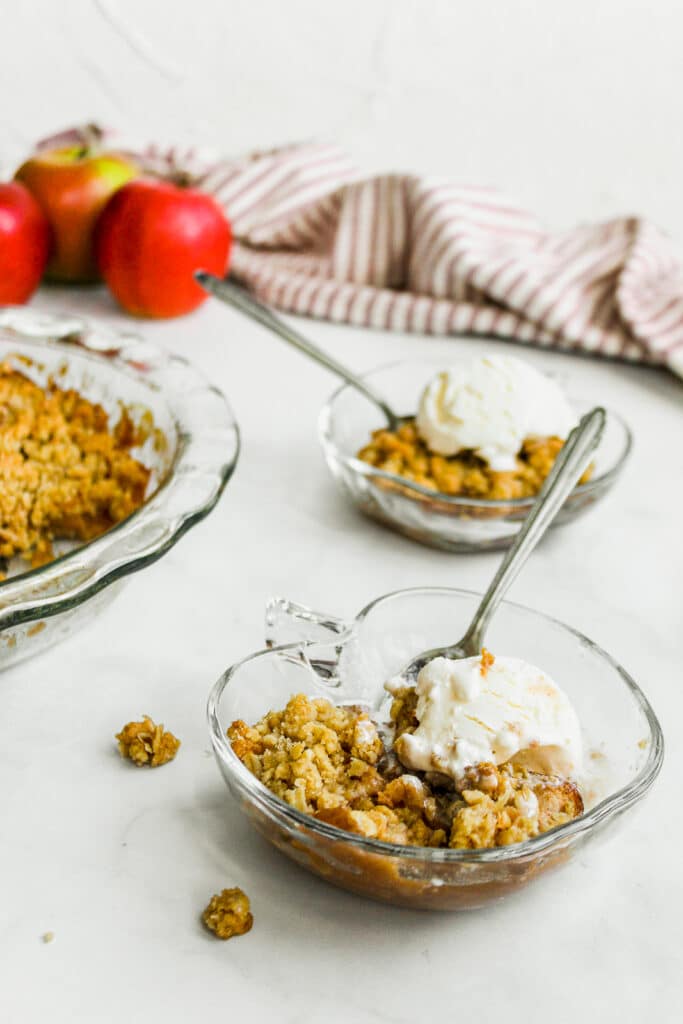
point(574, 108)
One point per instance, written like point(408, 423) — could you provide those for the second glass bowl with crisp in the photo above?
point(453, 523)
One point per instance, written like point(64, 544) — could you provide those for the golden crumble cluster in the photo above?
point(404, 453)
point(228, 914)
point(331, 762)
point(508, 805)
point(64, 474)
point(147, 743)
point(487, 659)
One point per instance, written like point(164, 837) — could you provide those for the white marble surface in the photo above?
point(119, 862)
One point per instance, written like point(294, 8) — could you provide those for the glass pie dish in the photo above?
point(349, 662)
point(439, 520)
point(191, 448)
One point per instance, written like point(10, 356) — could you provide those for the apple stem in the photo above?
point(183, 179)
point(91, 139)
point(174, 175)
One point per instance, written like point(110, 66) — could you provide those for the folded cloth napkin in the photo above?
point(411, 253)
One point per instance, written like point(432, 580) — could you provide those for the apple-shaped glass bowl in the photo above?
point(349, 662)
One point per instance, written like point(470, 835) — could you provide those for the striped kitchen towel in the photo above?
point(409, 253)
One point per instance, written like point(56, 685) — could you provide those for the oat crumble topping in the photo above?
point(64, 473)
point(404, 453)
point(228, 914)
point(147, 743)
point(331, 762)
point(487, 659)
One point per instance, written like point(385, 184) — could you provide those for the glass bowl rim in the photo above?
point(72, 335)
point(360, 468)
point(616, 802)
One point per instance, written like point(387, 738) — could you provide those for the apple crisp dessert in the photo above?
point(65, 474)
point(406, 454)
point(334, 763)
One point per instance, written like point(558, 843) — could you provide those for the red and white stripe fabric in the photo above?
point(407, 253)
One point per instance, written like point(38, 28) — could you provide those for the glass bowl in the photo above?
point(191, 448)
point(440, 520)
point(348, 662)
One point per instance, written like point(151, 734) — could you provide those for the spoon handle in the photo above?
point(567, 469)
point(234, 295)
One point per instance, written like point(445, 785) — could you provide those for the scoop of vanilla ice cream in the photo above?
point(469, 712)
point(490, 405)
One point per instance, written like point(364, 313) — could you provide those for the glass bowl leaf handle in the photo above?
point(312, 638)
point(288, 622)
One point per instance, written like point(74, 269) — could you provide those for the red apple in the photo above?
point(151, 238)
point(24, 243)
point(73, 185)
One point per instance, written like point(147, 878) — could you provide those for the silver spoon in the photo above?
point(567, 469)
point(238, 297)
point(560, 482)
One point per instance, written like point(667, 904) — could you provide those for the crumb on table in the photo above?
point(48, 937)
point(228, 914)
point(147, 743)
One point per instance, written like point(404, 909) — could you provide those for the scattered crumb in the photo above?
point(48, 937)
point(35, 629)
point(642, 744)
point(228, 914)
point(147, 743)
point(596, 755)
point(487, 659)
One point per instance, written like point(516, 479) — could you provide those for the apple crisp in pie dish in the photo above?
point(65, 474)
point(110, 450)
